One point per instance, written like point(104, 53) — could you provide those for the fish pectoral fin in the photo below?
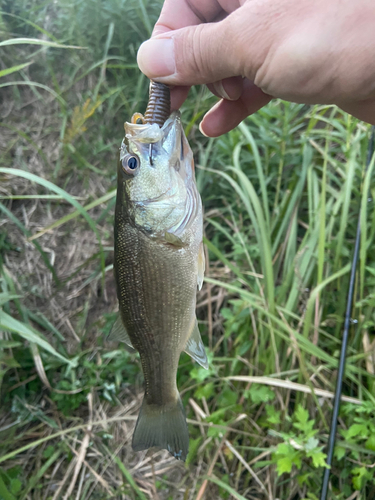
point(201, 266)
point(174, 240)
point(118, 333)
point(195, 348)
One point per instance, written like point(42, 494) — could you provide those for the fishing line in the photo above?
point(344, 344)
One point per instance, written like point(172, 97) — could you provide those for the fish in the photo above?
point(158, 265)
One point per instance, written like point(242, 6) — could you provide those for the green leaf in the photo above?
point(205, 391)
point(13, 69)
point(4, 492)
point(28, 333)
point(318, 457)
point(193, 449)
point(273, 416)
point(8, 344)
point(284, 449)
point(261, 394)
point(285, 457)
point(301, 414)
point(303, 478)
point(6, 297)
point(360, 475)
point(339, 452)
point(284, 464)
point(217, 431)
point(227, 398)
point(49, 451)
point(226, 487)
point(370, 443)
point(357, 430)
point(199, 374)
point(15, 486)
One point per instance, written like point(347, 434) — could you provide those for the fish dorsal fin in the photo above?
point(118, 333)
point(201, 266)
point(195, 348)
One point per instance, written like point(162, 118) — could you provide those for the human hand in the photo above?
point(310, 51)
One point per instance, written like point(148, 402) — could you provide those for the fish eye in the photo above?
point(130, 164)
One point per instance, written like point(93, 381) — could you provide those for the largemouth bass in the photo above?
point(159, 263)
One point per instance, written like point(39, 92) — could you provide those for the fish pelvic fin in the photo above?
point(163, 426)
point(118, 333)
point(195, 348)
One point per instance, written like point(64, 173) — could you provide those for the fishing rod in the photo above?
point(344, 344)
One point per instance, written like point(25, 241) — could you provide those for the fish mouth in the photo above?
point(149, 140)
point(147, 133)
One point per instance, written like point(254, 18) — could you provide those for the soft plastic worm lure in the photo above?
point(158, 108)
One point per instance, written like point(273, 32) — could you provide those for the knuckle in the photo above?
point(197, 60)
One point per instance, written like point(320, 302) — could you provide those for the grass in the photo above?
point(282, 194)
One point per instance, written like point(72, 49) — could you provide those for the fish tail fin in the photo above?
point(163, 426)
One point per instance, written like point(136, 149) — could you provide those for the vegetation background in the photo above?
point(282, 194)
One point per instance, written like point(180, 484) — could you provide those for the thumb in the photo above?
point(195, 55)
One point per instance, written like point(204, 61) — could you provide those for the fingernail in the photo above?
point(200, 129)
point(220, 90)
point(208, 113)
point(212, 110)
point(156, 57)
point(214, 107)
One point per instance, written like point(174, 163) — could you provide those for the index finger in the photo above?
point(176, 14)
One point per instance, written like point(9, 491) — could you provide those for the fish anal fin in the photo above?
point(163, 426)
point(195, 348)
point(118, 333)
point(201, 266)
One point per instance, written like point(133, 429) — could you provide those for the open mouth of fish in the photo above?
point(149, 138)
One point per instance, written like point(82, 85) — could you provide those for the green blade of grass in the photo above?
point(28, 333)
point(346, 199)
point(29, 140)
point(52, 187)
point(314, 294)
point(283, 330)
point(38, 85)
point(7, 297)
point(226, 487)
point(33, 481)
point(13, 69)
point(260, 221)
point(260, 171)
point(127, 476)
point(67, 218)
point(27, 233)
point(145, 18)
point(30, 23)
point(363, 222)
point(4, 492)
